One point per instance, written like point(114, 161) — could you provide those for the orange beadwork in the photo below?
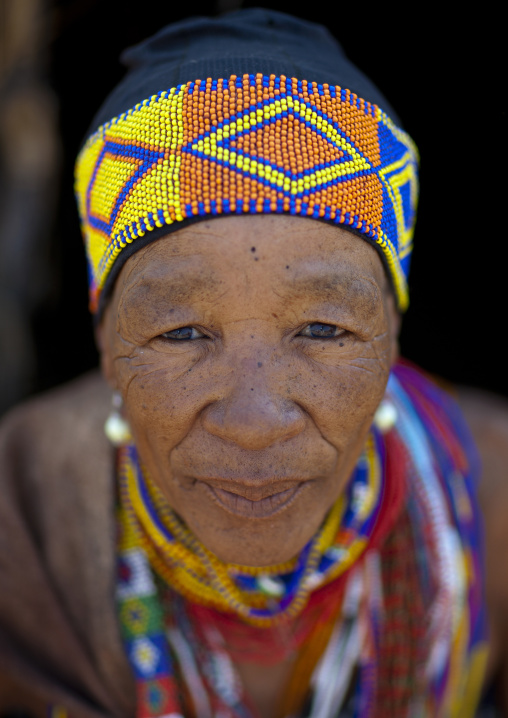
point(251, 144)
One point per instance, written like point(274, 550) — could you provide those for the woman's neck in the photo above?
point(265, 685)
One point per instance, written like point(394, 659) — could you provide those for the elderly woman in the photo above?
point(288, 524)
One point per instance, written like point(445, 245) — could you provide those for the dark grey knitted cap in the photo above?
point(245, 41)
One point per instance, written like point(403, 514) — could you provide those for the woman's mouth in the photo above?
point(266, 506)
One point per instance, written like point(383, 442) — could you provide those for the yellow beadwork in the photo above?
point(253, 144)
point(195, 572)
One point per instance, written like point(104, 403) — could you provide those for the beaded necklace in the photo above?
point(171, 589)
point(152, 536)
point(259, 595)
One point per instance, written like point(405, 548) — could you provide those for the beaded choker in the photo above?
point(250, 144)
point(193, 603)
point(396, 565)
point(260, 596)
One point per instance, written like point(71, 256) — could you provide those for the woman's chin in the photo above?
point(254, 541)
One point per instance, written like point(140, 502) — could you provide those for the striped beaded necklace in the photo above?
point(157, 550)
point(407, 633)
point(264, 595)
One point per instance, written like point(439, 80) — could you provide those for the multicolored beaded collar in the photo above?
point(155, 628)
point(260, 596)
point(407, 633)
point(250, 144)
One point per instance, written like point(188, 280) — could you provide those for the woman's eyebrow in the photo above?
point(169, 287)
point(343, 284)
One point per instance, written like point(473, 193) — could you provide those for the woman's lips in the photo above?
point(265, 507)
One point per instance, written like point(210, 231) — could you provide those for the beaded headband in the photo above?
point(252, 144)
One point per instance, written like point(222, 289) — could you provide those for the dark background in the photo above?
point(442, 73)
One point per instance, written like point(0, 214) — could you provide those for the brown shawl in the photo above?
point(59, 636)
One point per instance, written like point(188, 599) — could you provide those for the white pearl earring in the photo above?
point(117, 428)
point(385, 416)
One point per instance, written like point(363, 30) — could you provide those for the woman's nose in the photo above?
point(254, 414)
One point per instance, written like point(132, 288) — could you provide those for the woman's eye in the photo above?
point(317, 330)
point(183, 333)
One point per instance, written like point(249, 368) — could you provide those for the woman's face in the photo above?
point(251, 353)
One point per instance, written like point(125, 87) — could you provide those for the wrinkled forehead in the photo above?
point(227, 255)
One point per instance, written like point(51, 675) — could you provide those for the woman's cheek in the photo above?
point(373, 353)
point(162, 394)
point(165, 391)
point(342, 397)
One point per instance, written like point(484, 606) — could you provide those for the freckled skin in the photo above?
point(254, 400)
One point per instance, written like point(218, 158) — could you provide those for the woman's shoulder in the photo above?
point(487, 417)
point(85, 396)
point(62, 424)
point(54, 457)
point(57, 543)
